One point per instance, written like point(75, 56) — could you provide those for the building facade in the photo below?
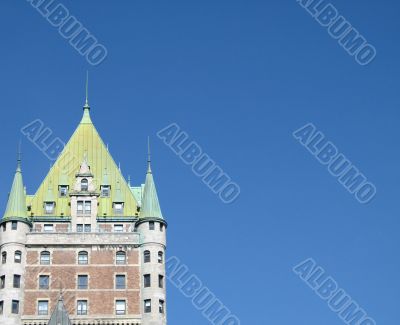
point(87, 248)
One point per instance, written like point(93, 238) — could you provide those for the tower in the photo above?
point(152, 229)
point(13, 230)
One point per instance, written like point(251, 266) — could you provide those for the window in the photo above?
point(118, 228)
point(17, 281)
point(45, 258)
point(49, 207)
point(4, 226)
point(43, 307)
point(105, 190)
point(79, 208)
point(4, 258)
point(88, 228)
point(15, 307)
point(160, 257)
point(82, 307)
point(79, 228)
point(120, 281)
point(2, 281)
point(161, 281)
point(121, 258)
point(48, 228)
point(14, 225)
point(120, 307)
point(147, 306)
point(84, 185)
point(17, 257)
point(1, 307)
point(83, 282)
point(83, 258)
point(147, 280)
point(161, 227)
point(118, 208)
point(63, 190)
point(151, 225)
point(44, 282)
point(88, 207)
point(161, 306)
point(146, 256)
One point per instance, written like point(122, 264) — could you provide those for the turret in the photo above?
point(152, 229)
point(13, 229)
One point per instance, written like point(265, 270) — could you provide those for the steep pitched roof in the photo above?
point(16, 206)
point(150, 205)
point(85, 144)
point(60, 314)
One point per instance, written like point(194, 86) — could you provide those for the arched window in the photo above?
point(83, 257)
point(4, 257)
point(17, 256)
point(121, 257)
point(45, 258)
point(84, 185)
point(160, 257)
point(146, 257)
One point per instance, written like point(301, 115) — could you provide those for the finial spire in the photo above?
point(87, 91)
point(19, 156)
point(148, 156)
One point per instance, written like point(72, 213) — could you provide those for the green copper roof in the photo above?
point(85, 142)
point(49, 195)
point(60, 315)
point(150, 205)
point(16, 206)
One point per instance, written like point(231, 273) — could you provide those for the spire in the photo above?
point(118, 193)
point(60, 314)
point(50, 195)
point(148, 156)
point(86, 108)
point(106, 180)
point(150, 204)
point(16, 206)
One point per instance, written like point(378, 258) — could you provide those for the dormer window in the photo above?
point(118, 207)
point(84, 185)
point(105, 190)
point(49, 207)
point(63, 190)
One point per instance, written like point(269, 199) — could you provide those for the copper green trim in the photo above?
point(26, 221)
point(116, 219)
point(150, 205)
point(140, 221)
point(51, 219)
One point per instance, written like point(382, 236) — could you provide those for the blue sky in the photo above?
point(239, 77)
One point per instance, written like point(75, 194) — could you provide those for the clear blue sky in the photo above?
point(239, 77)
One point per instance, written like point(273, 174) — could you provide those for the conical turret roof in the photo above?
point(150, 205)
point(16, 206)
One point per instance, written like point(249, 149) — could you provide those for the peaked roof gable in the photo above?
point(84, 145)
point(59, 315)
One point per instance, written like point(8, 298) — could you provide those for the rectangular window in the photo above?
point(17, 281)
point(88, 207)
point(15, 307)
point(120, 282)
point(161, 227)
point(1, 307)
point(120, 307)
point(82, 307)
point(4, 258)
point(4, 226)
point(161, 306)
point(49, 207)
point(44, 282)
point(105, 191)
point(14, 225)
point(48, 228)
point(147, 306)
point(161, 281)
point(118, 208)
point(79, 208)
point(43, 307)
point(83, 282)
point(79, 228)
point(63, 190)
point(147, 280)
point(118, 228)
point(151, 225)
point(88, 228)
point(2, 281)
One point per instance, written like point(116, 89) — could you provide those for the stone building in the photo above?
point(87, 248)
